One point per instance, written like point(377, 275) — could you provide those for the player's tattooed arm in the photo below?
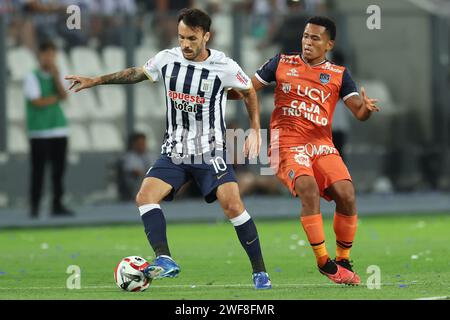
point(362, 107)
point(130, 75)
point(127, 76)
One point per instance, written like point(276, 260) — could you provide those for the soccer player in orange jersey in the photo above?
point(307, 89)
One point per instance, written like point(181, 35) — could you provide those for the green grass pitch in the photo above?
point(413, 255)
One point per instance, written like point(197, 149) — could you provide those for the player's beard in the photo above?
point(192, 54)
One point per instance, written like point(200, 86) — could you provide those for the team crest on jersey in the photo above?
point(206, 85)
point(292, 72)
point(325, 78)
point(286, 87)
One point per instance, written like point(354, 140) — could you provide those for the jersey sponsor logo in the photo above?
point(329, 66)
point(174, 95)
point(242, 78)
point(324, 78)
point(292, 73)
point(300, 109)
point(286, 87)
point(311, 150)
point(185, 102)
point(313, 94)
point(289, 59)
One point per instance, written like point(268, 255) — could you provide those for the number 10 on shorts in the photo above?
point(219, 164)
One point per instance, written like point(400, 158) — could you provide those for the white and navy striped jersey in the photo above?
point(196, 97)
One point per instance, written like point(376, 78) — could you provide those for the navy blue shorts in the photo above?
point(208, 172)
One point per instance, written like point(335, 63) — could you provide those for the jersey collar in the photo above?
point(315, 65)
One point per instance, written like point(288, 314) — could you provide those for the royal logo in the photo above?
point(286, 87)
point(324, 78)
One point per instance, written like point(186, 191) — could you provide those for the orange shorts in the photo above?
point(321, 162)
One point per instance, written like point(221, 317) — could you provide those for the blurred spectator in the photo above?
point(41, 21)
point(266, 17)
point(133, 166)
point(108, 21)
point(36, 21)
point(47, 128)
point(165, 19)
point(288, 34)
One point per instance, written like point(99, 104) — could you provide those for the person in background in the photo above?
point(47, 128)
point(133, 166)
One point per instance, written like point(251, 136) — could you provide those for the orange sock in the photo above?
point(313, 226)
point(345, 230)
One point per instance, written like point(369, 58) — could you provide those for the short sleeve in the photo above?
point(31, 87)
point(236, 77)
point(267, 73)
point(152, 68)
point(348, 87)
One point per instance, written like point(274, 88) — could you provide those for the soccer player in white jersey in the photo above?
point(196, 81)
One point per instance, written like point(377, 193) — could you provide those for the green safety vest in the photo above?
point(45, 119)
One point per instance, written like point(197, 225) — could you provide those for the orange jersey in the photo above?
point(305, 98)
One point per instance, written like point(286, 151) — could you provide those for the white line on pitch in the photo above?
point(435, 298)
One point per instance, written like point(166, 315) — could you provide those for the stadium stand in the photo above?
point(20, 61)
point(14, 104)
point(113, 58)
point(105, 137)
point(17, 140)
point(112, 102)
point(86, 61)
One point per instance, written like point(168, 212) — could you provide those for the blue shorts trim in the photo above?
point(207, 173)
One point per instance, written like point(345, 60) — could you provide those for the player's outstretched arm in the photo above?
point(252, 145)
point(127, 76)
point(362, 107)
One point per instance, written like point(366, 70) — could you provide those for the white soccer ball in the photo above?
point(129, 276)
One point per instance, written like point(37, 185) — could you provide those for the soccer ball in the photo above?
point(129, 276)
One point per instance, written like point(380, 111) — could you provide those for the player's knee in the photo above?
point(308, 193)
point(145, 198)
point(346, 197)
point(233, 209)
